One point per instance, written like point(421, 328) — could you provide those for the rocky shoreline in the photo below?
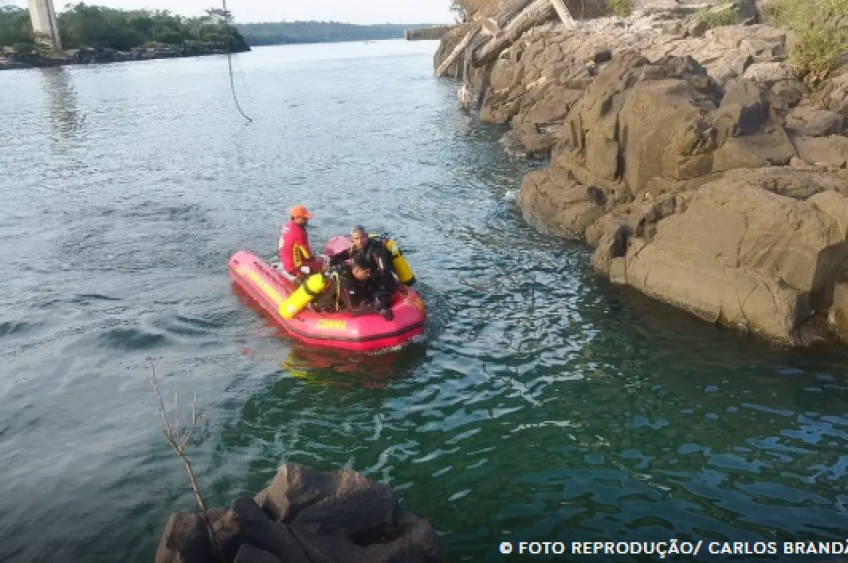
point(694, 162)
point(305, 516)
point(10, 60)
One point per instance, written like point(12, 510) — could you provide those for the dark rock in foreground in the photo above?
point(306, 516)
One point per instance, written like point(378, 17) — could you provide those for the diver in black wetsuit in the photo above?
point(357, 287)
point(379, 257)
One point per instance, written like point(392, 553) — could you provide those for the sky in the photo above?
point(247, 11)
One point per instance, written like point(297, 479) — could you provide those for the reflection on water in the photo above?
point(68, 121)
point(332, 367)
point(326, 366)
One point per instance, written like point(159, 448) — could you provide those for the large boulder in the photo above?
point(741, 256)
point(790, 182)
point(834, 94)
point(330, 503)
point(640, 121)
point(247, 524)
point(662, 128)
point(555, 203)
point(829, 151)
point(307, 516)
point(813, 122)
point(185, 540)
point(529, 140)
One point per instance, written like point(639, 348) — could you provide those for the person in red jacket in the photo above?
point(296, 255)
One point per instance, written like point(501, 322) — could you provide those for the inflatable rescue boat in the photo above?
point(348, 330)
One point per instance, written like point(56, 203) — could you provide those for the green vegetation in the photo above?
point(621, 8)
point(718, 16)
point(822, 35)
point(318, 32)
point(463, 10)
point(82, 25)
point(15, 27)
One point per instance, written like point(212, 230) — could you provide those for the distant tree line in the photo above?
point(83, 25)
point(318, 32)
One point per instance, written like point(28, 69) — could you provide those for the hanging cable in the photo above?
point(229, 59)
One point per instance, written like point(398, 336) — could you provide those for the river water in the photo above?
point(543, 404)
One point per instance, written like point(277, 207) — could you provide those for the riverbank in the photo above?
point(86, 56)
point(96, 34)
point(687, 153)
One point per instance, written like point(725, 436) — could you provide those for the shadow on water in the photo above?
point(332, 367)
point(327, 366)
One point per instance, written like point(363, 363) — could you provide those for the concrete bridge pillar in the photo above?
point(44, 24)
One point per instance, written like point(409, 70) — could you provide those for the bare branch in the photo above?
point(178, 443)
point(194, 419)
point(155, 385)
point(177, 412)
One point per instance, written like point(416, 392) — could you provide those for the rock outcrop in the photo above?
point(705, 174)
point(306, 516)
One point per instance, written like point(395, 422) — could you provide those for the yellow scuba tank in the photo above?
point(308, 290)
point(399, 263)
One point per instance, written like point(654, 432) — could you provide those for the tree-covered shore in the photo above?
point(86, 26)
point(98, 34)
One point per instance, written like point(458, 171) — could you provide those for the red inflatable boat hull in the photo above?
point(360, 333)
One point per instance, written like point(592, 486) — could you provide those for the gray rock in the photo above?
point(834, 94)
point(744, 110)
point(768, 73)
point(827, 151)
point(330, 518)
point(185, 540)
point(838, 312)
point(813, 122)
point(247, 524)
point(554, 202)
point(787, 94)
point(527, 141)
point(249, 554)
point(330, 503)
point(744, 257)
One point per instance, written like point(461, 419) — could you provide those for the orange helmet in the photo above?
point(300, 211)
